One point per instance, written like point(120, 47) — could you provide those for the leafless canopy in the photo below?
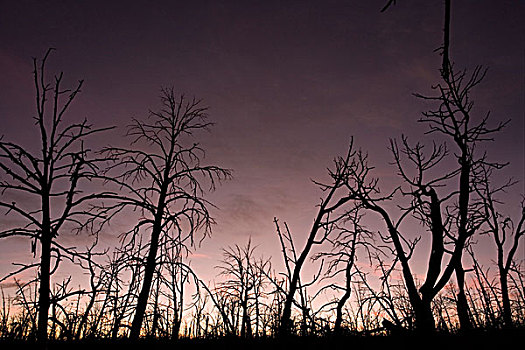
point(162, 179)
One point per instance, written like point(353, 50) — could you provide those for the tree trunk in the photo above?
point(461, 302)
point(339, 312)
point(175, 328)
point(346, 295)
point(285, 324)
point(149, 271)
point(45, 272)
point(424, 318)
point(44, 289)
point(507, 312)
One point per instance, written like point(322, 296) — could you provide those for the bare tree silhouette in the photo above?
point(450, 227)
point(501, 228)
point(458, 221)
point(347, 238)
point(244, 285)
point(324, 223)
point(54, 178)
point(164, 180)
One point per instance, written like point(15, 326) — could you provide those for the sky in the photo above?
point(288, 83)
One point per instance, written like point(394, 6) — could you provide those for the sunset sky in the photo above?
point(287, 84)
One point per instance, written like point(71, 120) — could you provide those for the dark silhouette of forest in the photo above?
point(145, 290)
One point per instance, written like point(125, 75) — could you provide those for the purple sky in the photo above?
point(287, 82)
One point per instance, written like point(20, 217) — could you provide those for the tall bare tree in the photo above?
point(54, 180)
point(329, 214)
point(163, 175)
point(443, 210)
point(454, 223)
point(454, 119)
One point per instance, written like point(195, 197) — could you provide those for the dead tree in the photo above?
point(454, 120)
point(163, 175)
point(501, 228)
point(450, 217)
point(365, 191)
point(243, 284)
point(330, 212)
point(347, 238)
point(54, 177)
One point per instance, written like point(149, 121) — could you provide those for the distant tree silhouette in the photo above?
point(391, 297)
point(347, 238)
point(244, 285)
point(501, 228)
point(122, 283)
point(173, 276)
point(164, 178)
point(54, 178)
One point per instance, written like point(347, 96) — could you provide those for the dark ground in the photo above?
point(497, 340)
